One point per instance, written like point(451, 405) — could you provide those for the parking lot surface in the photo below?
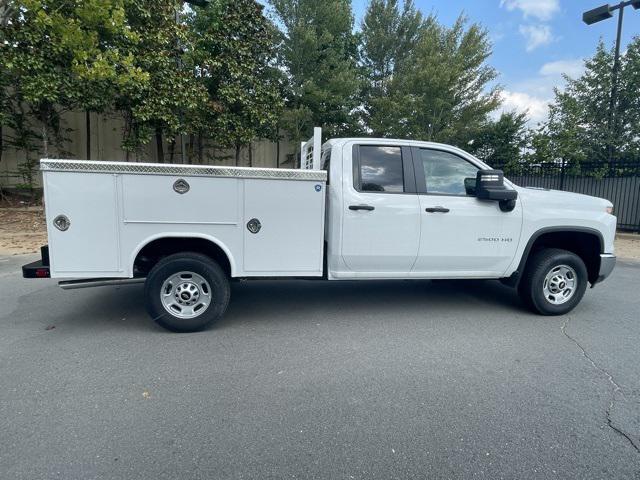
point(304, 379)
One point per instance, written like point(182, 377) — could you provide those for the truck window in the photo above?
point(445, 173)
point(379, 169)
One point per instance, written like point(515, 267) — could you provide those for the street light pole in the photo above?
point(613, 125)
point(596, 15)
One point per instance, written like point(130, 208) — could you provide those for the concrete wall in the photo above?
point(106, 137)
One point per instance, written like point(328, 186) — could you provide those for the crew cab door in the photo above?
point(381, 217)
point(461, 236)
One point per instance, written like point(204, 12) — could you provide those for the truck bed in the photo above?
point(114, 209)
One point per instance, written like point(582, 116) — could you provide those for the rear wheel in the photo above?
point(554, 281)
point(186, 292)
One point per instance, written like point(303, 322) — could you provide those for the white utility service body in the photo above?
point(117, 208)
point(359, 208)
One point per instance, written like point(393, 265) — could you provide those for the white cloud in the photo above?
point(572, 68)
point(542, 10)
point(534, 95)
point(540, 33)
point(536, 108)
point(536, 35)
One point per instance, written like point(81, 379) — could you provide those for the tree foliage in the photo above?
point(56, 56)
point(224, 72)
point(439, 87)
point(35, 71)
point(59, 56)
point(389, 37)
point(319, 55)
point(500, 142)
point(169, 93)
point(166, 73)
point(578, 128)
point(233, 55)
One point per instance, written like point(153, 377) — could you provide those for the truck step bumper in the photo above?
point(39, 268)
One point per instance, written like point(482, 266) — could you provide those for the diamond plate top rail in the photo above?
point(53, 165)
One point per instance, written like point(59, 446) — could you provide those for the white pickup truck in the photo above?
point(358, 209)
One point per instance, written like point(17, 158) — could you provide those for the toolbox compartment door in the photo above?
point(291, 227)
point(90, 244)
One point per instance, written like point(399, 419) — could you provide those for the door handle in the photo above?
point(369, 208)
point(437, 209)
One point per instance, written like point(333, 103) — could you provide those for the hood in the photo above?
point(561, 198)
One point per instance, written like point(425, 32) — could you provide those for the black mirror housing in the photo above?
point(490, 186)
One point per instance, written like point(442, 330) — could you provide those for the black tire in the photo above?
point(541, 263)
point(215, 280)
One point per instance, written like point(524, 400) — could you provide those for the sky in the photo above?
point(534, 42)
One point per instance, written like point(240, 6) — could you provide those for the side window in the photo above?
point(380, 169)
point(445, 173)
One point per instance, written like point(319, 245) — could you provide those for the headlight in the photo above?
point(610, 210)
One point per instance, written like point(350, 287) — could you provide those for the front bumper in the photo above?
point(607, 263)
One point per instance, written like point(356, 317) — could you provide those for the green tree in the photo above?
point(539, 148)
point(628, 121)
point(36, 68)
point(389, 36)
point(502, 142)
point(94, 34)
point(234, 54)
point(161, 101)
point(442, 94)
point(578, 125)
point(59, 56)
point(24, 138)
point(319, 55)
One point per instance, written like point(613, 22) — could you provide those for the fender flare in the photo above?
point(160, 236)
point(514, 279)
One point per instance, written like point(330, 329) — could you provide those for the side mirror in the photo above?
point(490, 186)
point(470, 186)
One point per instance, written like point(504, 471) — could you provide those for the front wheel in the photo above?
point(186, 292)
point(554, 281)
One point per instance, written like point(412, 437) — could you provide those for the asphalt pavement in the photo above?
point(312, 379)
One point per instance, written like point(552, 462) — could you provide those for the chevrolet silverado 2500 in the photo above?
point(358, 209)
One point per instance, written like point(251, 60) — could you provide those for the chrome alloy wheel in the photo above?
point(185, 295)
point(560, 284)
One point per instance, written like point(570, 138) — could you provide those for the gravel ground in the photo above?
point(22, 230)
point(628, 246)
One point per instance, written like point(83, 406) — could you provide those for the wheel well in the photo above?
point(588, 246)
point(152, 252)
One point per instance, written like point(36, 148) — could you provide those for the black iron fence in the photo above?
point(618, 182)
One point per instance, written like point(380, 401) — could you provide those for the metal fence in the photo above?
point(618, 182)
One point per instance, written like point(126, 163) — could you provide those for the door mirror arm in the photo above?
point(507, 205)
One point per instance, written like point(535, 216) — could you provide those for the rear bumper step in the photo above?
point(36, 270)
point(39, 268)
